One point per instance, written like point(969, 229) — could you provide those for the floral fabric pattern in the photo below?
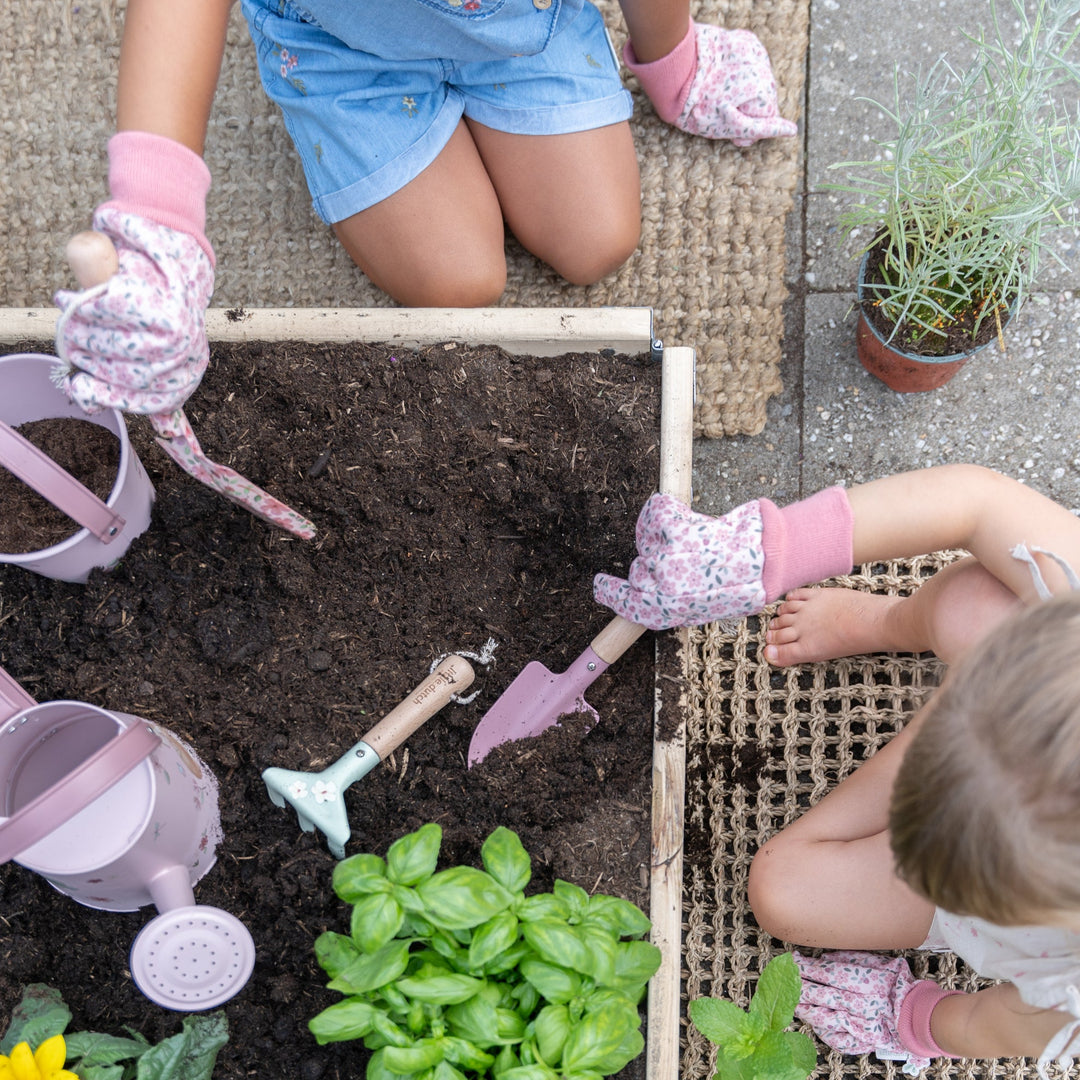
point(852, 1000)
point(733, 93)
point(138, 342)
point(691, 568)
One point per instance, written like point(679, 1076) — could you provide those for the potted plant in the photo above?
point(984, 165)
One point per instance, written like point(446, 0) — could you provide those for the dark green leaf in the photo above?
point(39, 1015)
point(92, 1048)
point(191, 1054)
point(335, 952)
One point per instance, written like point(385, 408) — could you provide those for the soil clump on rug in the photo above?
point(461, 496)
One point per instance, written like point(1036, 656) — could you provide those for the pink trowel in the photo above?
point(94, 260)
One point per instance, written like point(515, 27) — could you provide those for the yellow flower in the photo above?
point(45, 1063)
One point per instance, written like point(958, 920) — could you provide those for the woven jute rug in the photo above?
point(762, 745)
point(710, 264)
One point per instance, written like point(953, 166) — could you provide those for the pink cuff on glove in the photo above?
point(805, 542)
point(913, 1020)
point(667, 81)
point(161, 180)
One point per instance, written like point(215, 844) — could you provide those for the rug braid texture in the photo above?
point(764, 744)
point(710, 263)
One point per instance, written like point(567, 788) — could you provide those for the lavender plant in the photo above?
point(983, 167)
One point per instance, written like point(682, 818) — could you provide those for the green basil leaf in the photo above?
point(375, 920)
point(554, 983)
point(462, 897)
point(90, 1048)
point(445, 1071)
point(413, 858)
point(552, 1027)
point(510, 959)
point(376, 1070)
point(505, 1060)
point(574, 896)
point(542, 906)
point(635, 964)
point(369, 972)
point(462, 1052)
point(527, 997)
point(596, 1040)
point(491, 938)
point(778, 990)
point(529, 1072)
point(384, 1032)
point(335, 952)
point(348, 1019)
point(600, 949)
point(509, 1026)
point(558, 944)
point(403, 1060)
point(474, 1019)
point(506, 860)
point(358, 876)
point(619, 916)
point(437, 988)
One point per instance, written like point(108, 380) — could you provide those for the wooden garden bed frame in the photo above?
point(532, 332)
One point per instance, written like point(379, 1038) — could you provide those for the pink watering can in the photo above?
point(104, 530)
point(118, 814)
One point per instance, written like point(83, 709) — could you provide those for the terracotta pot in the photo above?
point(904, 371)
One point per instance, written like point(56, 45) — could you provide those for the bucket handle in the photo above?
point(34, 467)
point(77, 790)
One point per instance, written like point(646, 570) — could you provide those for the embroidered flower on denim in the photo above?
point(289, 61)
point(408, 105)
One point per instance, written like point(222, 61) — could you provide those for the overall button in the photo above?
point(541, 5)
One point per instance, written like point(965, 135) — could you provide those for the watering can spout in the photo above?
point(171, 888)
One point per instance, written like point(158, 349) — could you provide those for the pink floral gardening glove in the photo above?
point(692, 568)
point(717, 83)
point(137, 342)
point(862, 1003)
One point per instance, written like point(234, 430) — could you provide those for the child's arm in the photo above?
point(692, 568)
point(964, 506)
point(994, 1023)
point(703, 79)
point(140, 344)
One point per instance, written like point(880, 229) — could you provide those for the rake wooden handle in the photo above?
point(452, 676)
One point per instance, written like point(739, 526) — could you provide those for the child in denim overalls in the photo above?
point(425, 129)
point(963, 832)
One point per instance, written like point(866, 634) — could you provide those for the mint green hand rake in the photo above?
point(319, 797)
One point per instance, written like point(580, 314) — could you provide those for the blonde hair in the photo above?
point(985, 811)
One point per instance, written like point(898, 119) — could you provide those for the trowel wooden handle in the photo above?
point(452, 676)
point(615, 639)
point(92, 258)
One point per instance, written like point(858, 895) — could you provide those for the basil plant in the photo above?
point(457, 974)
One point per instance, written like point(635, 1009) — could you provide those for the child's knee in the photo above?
point(773, 900)
point(601, 254)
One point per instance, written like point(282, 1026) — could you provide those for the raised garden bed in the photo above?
point(462, 494)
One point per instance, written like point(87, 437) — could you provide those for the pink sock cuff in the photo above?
point(805, 542)
point(667, 80)
point(913, 1020)
point(159, 179)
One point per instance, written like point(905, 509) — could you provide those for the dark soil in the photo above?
point(90, 452)
point(460, 495)
point(971, 330)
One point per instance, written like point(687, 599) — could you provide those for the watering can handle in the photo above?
point(34, 467)
point(77, 790)
point(452, 676)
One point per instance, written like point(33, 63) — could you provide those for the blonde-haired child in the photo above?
point(963, 832)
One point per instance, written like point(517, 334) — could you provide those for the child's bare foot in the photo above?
point(824, 624)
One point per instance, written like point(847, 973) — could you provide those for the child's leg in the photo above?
point(827, 880)
point(438, 241)
point(573, 200)
point(947, 615)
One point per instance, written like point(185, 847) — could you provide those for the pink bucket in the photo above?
point(27, 393)
point(118, 814)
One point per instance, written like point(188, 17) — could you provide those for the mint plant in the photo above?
point(754, 1044)
point(454, 974)
point(42, 1017)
